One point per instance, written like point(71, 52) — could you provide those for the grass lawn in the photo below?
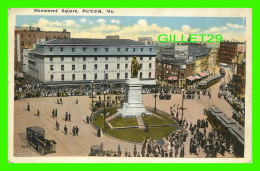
point(153, 120)
point(138, 135)
point(119, 121)
point(135, 134)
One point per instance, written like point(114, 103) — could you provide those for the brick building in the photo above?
point(27, 37)
point(172, 70)
point(179, 64)
point(239, 79)
point(229, 50)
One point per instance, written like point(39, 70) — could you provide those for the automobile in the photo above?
point(35, 136)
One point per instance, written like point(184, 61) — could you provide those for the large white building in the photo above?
point(79, 61)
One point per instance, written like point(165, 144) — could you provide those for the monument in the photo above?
point(133, 105)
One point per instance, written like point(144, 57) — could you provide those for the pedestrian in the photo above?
point(65, 130)
point(53, 113)
point(90, 118)
point(77, 102)
point(38, 113)
point(198, 97)
point(73, 131)
point(135, 151)
point(180, 122)
point(69, 118)
point(126, 153)
point(171, 153)
point(66, 116)
point(87, 119)
point(182, 151)
point(143, 152)
point(119, 152)
point(56, 113)
point(57, 126)
point(192, 130)
point(28, 107)
point(176, 152)
point(58, 102)
point(77, 130)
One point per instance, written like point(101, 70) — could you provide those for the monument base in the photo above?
point(134, 104)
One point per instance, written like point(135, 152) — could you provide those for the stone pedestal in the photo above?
point(133, 105)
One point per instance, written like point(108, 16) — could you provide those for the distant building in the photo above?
point(28, 37)
point(112, 37)
point(239, 79)
point(78, 61)
point(181, 63)
point(172, 70)
point(229, 50)
point(213, 45)
point(213, 57)
point(146, 40)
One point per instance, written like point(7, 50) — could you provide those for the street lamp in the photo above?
point(92, 96)
point(182, 108)
point(155, 96)
point(104, 108)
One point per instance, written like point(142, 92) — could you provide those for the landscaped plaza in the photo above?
point(125, 136)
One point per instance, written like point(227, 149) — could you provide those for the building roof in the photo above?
point(197, 50)
point(175, 61)
point(91, 42)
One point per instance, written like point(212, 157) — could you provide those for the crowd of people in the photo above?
point(28, 88)
point(238, 104)
point(170, 146)
point(210, 143)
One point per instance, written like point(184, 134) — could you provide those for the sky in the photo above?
point(132, 27)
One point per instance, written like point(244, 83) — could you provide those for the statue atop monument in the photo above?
point(134, 68)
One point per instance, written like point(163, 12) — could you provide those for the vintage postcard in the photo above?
point(130, 85)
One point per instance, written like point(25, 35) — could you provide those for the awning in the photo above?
point(191, 78)
point(197, 77)
point(203, 74)
point(19, 75)
point(172, 78)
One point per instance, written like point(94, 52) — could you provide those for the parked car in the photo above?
point(36, 137)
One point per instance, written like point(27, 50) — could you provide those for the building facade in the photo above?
point(79, 61)
point(28, 37)
point(239, 79)
point(146, 40)
point(173, 71)
point(229, 50)
point(179, 64)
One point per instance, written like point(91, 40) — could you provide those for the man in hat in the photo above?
point(28, 107)
point(65, 130)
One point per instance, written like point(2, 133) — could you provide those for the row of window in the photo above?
point(96, 66)
point(29, 35)
point(95, 58)
point(30, 43)
point(95, 76)
point(106, 49)
point(54, 36)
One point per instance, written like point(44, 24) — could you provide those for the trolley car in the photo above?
point(233, 133)
point(209, 82)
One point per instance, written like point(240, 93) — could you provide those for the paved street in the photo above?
point(69, 145)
